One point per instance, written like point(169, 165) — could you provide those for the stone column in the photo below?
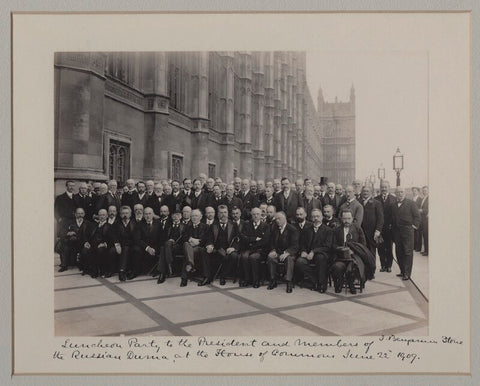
point(284, 111)
point(258, 117)
point(299, 115)
point(157, 163)
point(245, 138)
point(199, 113)
point(227, 98)
point(277, 120)
point(269, 113)
point(79, 106)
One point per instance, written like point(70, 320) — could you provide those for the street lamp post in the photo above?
point(372, 182)
point(381, 173)
point(398, 164)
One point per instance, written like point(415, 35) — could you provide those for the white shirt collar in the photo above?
point(283, 228)
point(70, 195)
point(111, 220)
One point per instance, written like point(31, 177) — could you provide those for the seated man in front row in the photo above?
point(74, 234)
point(194, 246)
point(175, 237)
point(223, 240)
point(318, 253)
point(147, 240)
point(283, 248)
point(348, 231)
point(255, 239)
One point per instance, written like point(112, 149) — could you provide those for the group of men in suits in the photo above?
point(145, 227)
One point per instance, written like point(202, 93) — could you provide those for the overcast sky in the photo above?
point(391, 106)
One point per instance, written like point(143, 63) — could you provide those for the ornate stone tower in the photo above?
point(337, 122)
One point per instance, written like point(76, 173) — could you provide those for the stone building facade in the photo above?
point(175, 114)
point(337, 131)
point(161, 115)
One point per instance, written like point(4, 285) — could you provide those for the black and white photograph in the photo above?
point(241, 193)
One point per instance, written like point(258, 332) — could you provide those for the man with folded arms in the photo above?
point(318, 253)
point(172, 247)
point(223, 239)
point(147, 240)
point(255, 239)
point(194, 246)
point(283, 249)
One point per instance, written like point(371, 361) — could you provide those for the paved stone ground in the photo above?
point(108, 307)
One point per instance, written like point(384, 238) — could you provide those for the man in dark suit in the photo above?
point(237, 185)
point(317, 252)
point(165, 223)
point(310, 202)
point(99, 247)
point(283, 248)
point(186, 215)
point(147, 241)
point(126, 229)
point(73, 236)
point(217, 198)
point(424, 219)
point(269, 196)
point(223, 239)
point(255, 240)
point(174, 200)
point(194, 248)
point(329, 218)
point(406, 219)
point(200, 200)
point(372, 223)
point(231, 201)
point(172, 247)
point(64, 206)
point(341, 269)
point(237, 218)
point(137, 213)
point(249, 199)
point(353, 205)
point(331, 198)
point(304, 229)
point(261, 191)
point(157, 199)
point(141, 197)
point(287, 201)
point(270, 219)
point(385, 247)
point(417, 235)
point(129, 198)
point(83, 200)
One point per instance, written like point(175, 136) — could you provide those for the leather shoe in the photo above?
point(383, 269)
point(322, 289)
point(388, 269)
point(222, 281)
point(424, 253)
point(353, 291)
point(62, 269)
point(131, 276)
point(183, 283)
point(405, 277)
point(108, 274)
point(204, 281)
point(272, 285)
point(122, 276)
point(289, 287)
point(161, 278)
point(338, 290)
point(256, 284)
point(399, 275)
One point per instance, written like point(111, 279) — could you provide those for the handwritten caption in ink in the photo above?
point(181, 349)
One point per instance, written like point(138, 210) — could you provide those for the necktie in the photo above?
point(315, 229)
point(255, 225)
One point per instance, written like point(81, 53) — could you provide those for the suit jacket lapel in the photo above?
point(215, 232)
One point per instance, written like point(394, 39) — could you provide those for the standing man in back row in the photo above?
point(406, 219)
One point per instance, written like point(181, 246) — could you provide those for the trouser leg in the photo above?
point(205, 258)
point(272, 267)
point(302, 265)
point(254, 262)
point(290, 263)
point(399, 249)
point(123, 259)
point(425, 233)
point(321, 264)
point(245, 264)
point(407, 242)
point(338, 273)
